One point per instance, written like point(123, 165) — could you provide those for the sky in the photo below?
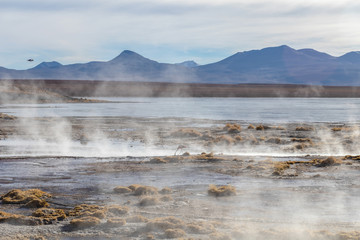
point(206, 31)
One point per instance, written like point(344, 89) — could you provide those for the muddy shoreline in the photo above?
point(285, 186)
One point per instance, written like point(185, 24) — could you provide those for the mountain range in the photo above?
point(272, 65)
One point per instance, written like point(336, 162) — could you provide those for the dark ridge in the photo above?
point(86, 88)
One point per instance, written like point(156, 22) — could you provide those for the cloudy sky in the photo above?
point(70, 31)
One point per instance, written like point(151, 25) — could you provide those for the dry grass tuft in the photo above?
point(117, 209)
point(251, 139)
point(275, 140)
point(302, 140)
point(36, 203)
point(7, 116)
point(174, 159)
point(84, 222)
point(166, 198)
point(133, 187)
point(200, 228)
point(352, 235)
point(150, 237)
point(115, 222)
point(19, 219)
point(345, 129)
point(174, 233)
point(207, 136)
point(232, 128)
point(219, 236)
point(221, 191)
point(251, 126)
point(208, 157)
point(184, 132)
point(85, 210)
point(158, 160)
point(302, 128)
point(50, 214)
point(262, 138)
point(137, 219)
point(166, 190)
point(121, 189)
point(145, 190)
point(280, 167)
point(39, 217)
point(163, 223)
point(301, 146)
point(357, 157)
point(149, 201)
point(262, 127)
point(32, 198)
point(238, 138)
point(330, 161)
point(224, 139)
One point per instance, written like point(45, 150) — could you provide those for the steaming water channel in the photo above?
point(189, 111)
point(267, 110)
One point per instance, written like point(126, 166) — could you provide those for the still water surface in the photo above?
point(247, 109)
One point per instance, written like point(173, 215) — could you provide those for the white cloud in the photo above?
point(84, 30)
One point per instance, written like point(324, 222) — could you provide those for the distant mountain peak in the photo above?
point(52, 64)
point(353, 56)
point(281, 47)
point(127, 55)
point(189, 64)
point(267, 49)
point(353, 53)
point(313, 53)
